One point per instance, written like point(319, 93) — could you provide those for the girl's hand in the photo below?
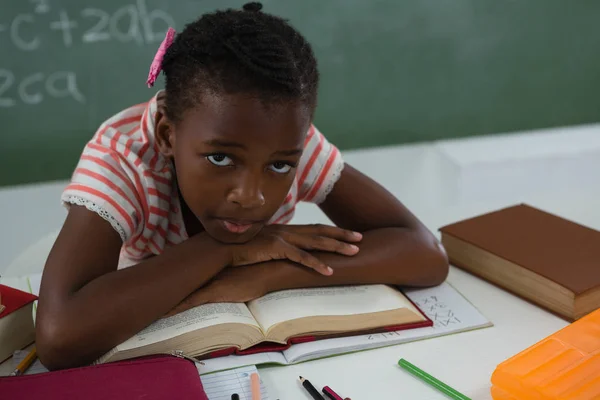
point(293, 242)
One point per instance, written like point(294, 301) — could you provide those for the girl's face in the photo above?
point(236, 159)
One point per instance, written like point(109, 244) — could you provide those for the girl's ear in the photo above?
point(165, 133)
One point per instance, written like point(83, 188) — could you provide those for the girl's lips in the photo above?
point(235, 227)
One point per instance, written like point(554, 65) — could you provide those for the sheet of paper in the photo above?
point(444, 305)
point(35, 368)
point(221, 385)
point(344, 300)
point(230, 362)
point(190, 320)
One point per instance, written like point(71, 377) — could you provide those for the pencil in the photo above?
point(425, 377)
point(311, 389)
point(330, 394)
point(255, 384)
point(26, 363)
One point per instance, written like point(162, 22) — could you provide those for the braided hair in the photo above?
point(239, 51)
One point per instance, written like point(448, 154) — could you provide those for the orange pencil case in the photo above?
point(564, 366)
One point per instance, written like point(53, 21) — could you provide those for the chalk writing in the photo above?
point(131, 23)
point(16, 34)
point(132, 33)
point(7, 79)
point(31, 89)
point(65, 25)
point(41, 6)
point(99, 31)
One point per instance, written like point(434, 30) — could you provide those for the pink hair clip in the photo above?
point(158, 58)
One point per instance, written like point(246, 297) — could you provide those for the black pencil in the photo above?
point(311, 389)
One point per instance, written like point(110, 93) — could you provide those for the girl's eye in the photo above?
point(220, 160)
point(280, 167)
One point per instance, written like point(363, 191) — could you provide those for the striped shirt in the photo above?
point(122, 176)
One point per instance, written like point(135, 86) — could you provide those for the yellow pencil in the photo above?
point(26, 363)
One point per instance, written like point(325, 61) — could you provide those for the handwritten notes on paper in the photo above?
point(221, 385)
point(445, 307)
point(437, 311)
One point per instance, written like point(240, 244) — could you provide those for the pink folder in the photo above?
point(149, 378)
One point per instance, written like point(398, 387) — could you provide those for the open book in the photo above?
point(449, 310)
point(274, 322)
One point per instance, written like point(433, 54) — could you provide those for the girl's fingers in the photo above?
point(333, 232)
point(322, 243)
point(306, 259)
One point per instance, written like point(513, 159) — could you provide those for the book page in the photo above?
point(445, 306)
point(287, 305)
point(193, 319)
point(221, 385)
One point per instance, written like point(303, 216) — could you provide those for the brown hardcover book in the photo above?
point(551, 261)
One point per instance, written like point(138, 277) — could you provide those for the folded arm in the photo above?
point(396, 249)
point(87, 306)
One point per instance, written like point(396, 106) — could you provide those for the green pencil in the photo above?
point(424, 376)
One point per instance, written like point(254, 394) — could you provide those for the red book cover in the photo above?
point(14, 299)
point(148, 378)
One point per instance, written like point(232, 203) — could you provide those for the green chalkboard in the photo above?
point(393, 71)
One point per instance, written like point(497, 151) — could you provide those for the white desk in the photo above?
point(432, 185)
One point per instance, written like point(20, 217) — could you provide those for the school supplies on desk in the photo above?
point(548, 260)
point(563, 366)
point(223, 385)
point(450, 312)
point(16, 321)
point(275, 321)
point(25, 363)
point(151, 378)
point(332, 395)
point(36, 366)
point(312, 391)
point(255, 386)
point(430, 380)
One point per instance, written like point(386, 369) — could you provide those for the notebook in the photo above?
point(221, 385)
point(546, 259)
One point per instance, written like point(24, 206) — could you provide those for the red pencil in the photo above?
point(332, 395)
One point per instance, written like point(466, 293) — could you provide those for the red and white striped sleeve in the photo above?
point(104, 183)
point(319, 169)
